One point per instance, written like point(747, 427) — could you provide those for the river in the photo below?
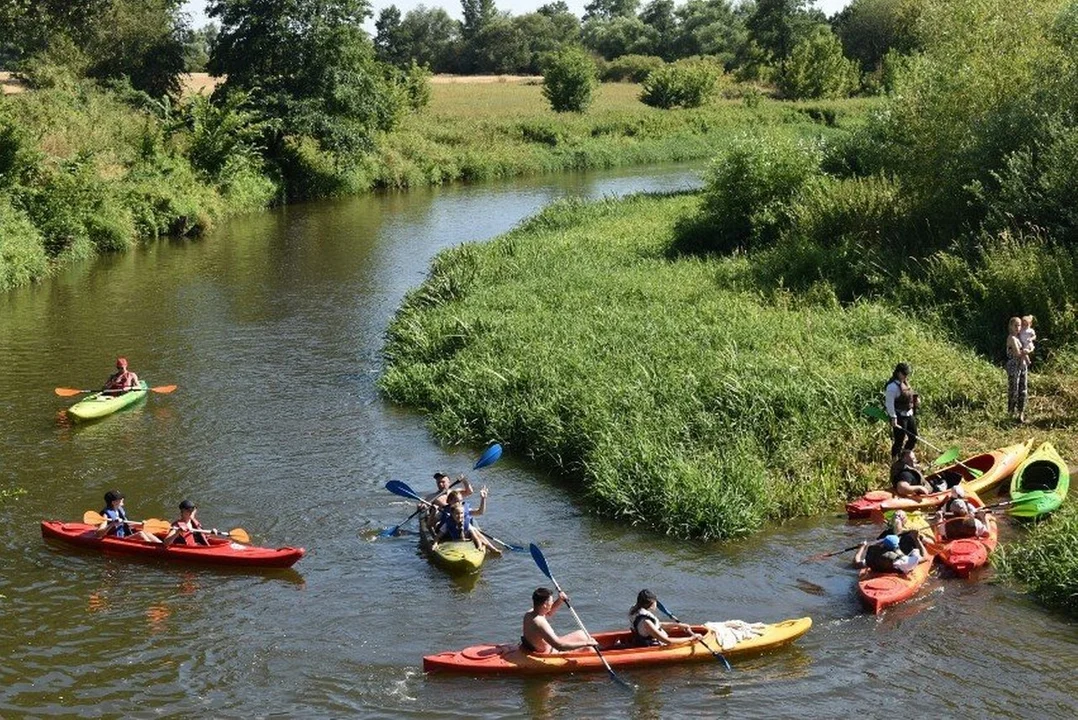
point(272, 327)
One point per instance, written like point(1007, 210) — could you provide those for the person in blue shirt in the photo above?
point(116, 523)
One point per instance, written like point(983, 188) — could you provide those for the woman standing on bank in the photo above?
point(1017, 372)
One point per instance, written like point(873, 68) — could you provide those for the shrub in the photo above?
point(569, 80)
point(22, 253)
point(416, 80)
point(818, 69)
point(683, 84)
point(631, 68)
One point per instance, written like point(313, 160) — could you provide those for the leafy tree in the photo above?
point(610, 9)
point(431, 37)
point(686, 83)
point(389, 42)
point(197, 45)
point(818, 69)
point(569, 80)
point(659, 16)
point(869, 29)
point(309, 68)
point(710, 27)
point(500, 47)
point(477, 14)
point(777, 25)
point(622, 35)
point(545, 34)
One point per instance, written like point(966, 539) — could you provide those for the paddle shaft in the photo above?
point(396, 528)
point(67, 392)
point(700, 639)
point(876, 413)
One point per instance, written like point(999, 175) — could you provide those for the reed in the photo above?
point(1045, 561)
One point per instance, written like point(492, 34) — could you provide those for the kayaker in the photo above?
point(885, 555)
point(906, 479)
point(899, 527)
point(183, 529)
point(456, 524)
point(901, 403)
point(116, 524)
point(646, 628)
point(120, 381)
point(958, 518)
point(537, 636)
point(439, 500)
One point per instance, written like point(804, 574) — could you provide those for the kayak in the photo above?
point(964, 555)
point(1040, 484)
point(218, 552)
point(99, 405)
point(454, 556)
point(617, 649)
point(994, 467)
point(880, 590)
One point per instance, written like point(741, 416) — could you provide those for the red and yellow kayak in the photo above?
point(616, 648)
point(964, 555)
point(994, 467)
point(218, 552)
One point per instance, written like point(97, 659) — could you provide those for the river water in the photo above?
point(272, 326)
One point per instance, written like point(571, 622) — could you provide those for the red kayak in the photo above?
point(218, 552)
point(963, 555)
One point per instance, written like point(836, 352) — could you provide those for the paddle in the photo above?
point(489, 456)
point(399, 488)
point(833, 553)
point(537, 556)
point(152, 525)
point(672, 616)
point(946, 458)
point(238, 534)
point(875, 413)
point(69, 392)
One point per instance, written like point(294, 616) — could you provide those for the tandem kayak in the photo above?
point(1040, 484)
point(454, 556)
point(218, 552)
point(616, 648)
point(993, 467)
point(880, 590)
point(99, 405)
point(963, 555)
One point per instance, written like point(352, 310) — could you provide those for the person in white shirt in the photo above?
point(901, 403)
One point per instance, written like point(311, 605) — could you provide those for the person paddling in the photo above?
point(121, 381)
point(886, 555)
point(439, 500)
point(537, 635)
point(456, 524)
point(183, 529)
point(958, 518)
point(646, 628)
point(116, 525)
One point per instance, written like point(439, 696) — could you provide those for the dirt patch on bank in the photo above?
point(9, 85)
point(483, 79)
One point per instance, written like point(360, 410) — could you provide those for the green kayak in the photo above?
point(1040, 484)
point(99, 405)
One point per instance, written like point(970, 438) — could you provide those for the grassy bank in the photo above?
point(671, 392)
point(1046, 561)
point(495, 130)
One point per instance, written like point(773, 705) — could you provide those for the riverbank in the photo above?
point(85, 170)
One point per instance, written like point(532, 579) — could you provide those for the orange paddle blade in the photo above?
point(92, 518)
point(68, 392)
point(163, 389)
point(155, 526)
point(239, 535)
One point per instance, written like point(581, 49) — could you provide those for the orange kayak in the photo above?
point(995, 467)
point(616, 648)
point(880, 590)
point(964, 555)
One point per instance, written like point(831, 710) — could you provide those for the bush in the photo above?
point(417, 85)
point(818, 69)
point(683, 84)
point(22, 252)
point(631, 68)
point(748, 191)
point(569, 80)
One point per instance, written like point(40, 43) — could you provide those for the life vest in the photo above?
point(187, 537)
point(120, 381)
point(905, 472)
point(452, 531)
point(640, 639)
point(119, 530)
point(880, 559)
point(904, 399)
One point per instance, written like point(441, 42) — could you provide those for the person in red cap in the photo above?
point(185, 530)
point(121, 381)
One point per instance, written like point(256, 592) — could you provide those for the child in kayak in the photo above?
point(439, 500)
point(456, 523)
point(537, 635)
point(899, 526)
point(885, 555)
point(121, 381)
point(646, 628)
point(116, 523)
point(183, 529)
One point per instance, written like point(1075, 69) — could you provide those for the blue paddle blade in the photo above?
point(399, 488)
point(489, 456)
point(664, 611)
point(537, 556)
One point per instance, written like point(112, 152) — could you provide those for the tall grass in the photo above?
point(669, 397)
point(1046, 561)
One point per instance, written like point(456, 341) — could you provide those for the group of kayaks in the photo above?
point(1039, 484)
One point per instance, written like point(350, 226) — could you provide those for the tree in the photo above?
point(610, 9)
point(477, 14)
point(545, 34)
point(388, 39)
point(623, 35)
point(499, 48)
point(309, 67)
point(431, 37)
point(869, 29)
point(777, 25)
point(659, 16)
point(710, 27)
point(818, 69)
point(569, 80)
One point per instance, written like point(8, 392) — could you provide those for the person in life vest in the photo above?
point(906, 479)
point(959, 518)
point(537, 635)
point(116, 523)
point(899, 526)
point(886, 555)
point(646, 628)
point(439, 501)
point(121, 381)
point(183, 531)
point(901, 404)
point(455, 523)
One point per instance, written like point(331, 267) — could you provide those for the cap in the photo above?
point(112, 496)
point(890, 542)
point(440, 475)
point(187, 505)
point(121, 363)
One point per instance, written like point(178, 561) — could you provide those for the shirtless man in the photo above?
point(539, 637)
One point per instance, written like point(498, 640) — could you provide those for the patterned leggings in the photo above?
point(1017, 386)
